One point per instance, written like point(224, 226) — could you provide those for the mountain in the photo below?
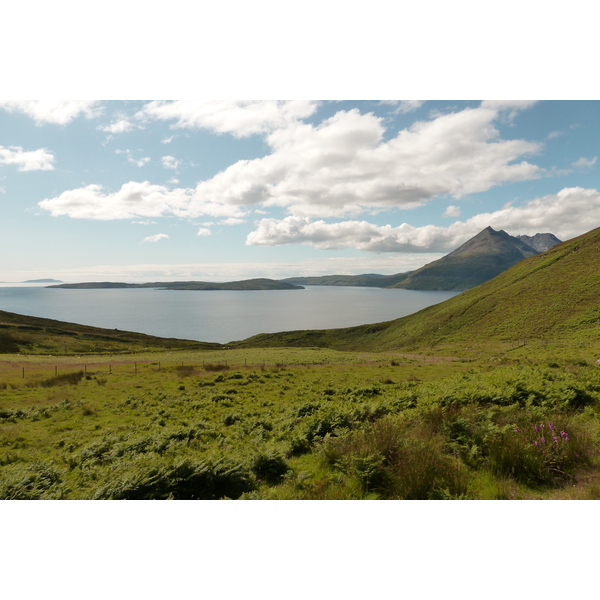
point(247, 284)
point(479, 259)
point(554, 296)
point(540, 241)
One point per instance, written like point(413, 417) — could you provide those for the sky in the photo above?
point(227, 189)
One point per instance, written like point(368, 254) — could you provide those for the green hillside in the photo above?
point(33, 335)
point(553, 296)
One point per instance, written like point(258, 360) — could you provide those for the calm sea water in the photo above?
point(218, 316)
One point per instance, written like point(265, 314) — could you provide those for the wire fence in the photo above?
point(36, 370)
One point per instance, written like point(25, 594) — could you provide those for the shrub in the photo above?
point(216, 367)
point(269, 466)
point(185, 370)
point(541, 453)
point(63, 379)
point(397, 461)
point(32, 482)
point(159, 479)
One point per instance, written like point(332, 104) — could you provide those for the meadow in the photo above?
point(503, 421)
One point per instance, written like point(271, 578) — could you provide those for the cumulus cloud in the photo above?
point(585, 163)
point(155, 238)
point(452, 211)
point(133, 200)
point(32, 160)
point(203, 232)
point(239, 118)
point(58, 112)
point(344, 166)
point(169, 162)
point(569, 213)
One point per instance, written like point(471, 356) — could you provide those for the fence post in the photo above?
point(110, 369)
point(23, 372)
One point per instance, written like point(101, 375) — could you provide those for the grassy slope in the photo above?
point(552, 296)
point(20, 333)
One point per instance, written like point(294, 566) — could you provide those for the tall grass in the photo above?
point(397, 461)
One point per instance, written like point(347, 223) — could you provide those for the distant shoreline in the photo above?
point(245, 285)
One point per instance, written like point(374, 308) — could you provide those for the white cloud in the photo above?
point(58, 112)
point(240, 118)
point(138, 162)
point(232, 221)
point(169, 162)
point(404, 106)
point(571, 212)
point(343, 167)
point(120, 126)
point(33, 160)
point(585, 163)
point(203, 232)
point(452, 211)
point(131, 201)
point(155, 238)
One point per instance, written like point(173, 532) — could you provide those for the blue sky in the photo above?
point(220, 190)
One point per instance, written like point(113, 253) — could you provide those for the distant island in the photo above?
point(244, 285)
point(42, 281)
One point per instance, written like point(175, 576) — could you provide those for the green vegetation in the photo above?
point(493, 394)
point(407, 427)
point(33, 335)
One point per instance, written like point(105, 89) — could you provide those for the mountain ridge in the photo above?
point(479, 259)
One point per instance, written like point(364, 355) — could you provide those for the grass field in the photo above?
point(301, 423)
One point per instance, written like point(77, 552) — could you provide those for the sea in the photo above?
point(217, 316)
